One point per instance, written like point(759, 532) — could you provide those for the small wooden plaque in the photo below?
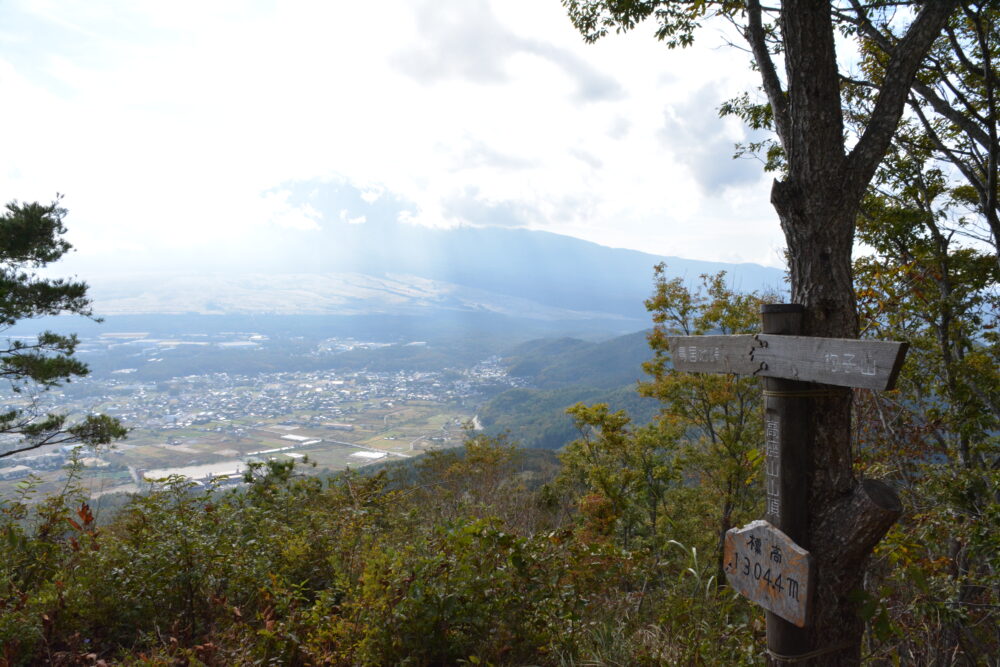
point(766, 566)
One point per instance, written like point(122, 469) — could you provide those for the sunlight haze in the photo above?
point(182, 126)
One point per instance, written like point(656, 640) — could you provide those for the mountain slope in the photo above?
point(351, 269)
point(562, 372)
point(554, 363)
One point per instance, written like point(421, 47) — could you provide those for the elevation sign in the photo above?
point(763, 564)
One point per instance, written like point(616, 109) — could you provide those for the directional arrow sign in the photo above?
point(845, 362)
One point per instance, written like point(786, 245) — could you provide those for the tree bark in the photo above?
point(817, 204)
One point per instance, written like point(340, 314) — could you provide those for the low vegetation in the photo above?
point(469, 555)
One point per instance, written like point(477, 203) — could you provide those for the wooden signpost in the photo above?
point(768, 561)
point(869, 364)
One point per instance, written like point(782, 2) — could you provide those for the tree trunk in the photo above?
point(817, 204)
point(846, 517)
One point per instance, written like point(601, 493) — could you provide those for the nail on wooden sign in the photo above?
point(766, 566)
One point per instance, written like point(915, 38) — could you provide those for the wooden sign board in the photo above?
point(763, 564)
point(844, 362)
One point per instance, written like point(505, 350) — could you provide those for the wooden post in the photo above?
point(770, 561)
point(788, 456)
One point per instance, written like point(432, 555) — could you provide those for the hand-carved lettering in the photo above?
point(848, 364)
point(833, 362)
point(734, 564)
point(868, 367)
point(772, 448)
point(764, 565)
point(793, 588)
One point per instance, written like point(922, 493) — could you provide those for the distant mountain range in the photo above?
point(409, 270)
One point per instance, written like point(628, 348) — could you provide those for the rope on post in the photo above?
point(803, 393)
point(779, 657)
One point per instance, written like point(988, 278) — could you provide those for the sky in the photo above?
point(189, 125)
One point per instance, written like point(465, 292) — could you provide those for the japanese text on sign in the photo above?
point(694, 354)
point(762, 563)
point(772, 465)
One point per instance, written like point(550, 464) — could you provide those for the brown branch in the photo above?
point(860, 520)
point(939, 144)
point(956, 47)
point(970, 108)
point(756, 37)
point(900, 73)
point(990, 201)
point(48, 440)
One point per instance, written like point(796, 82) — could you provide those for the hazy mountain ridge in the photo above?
point(311, 294)
point(360, 269)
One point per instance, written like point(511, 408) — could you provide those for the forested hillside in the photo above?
point(538, 418)
point(561, 373)
point(549, 363)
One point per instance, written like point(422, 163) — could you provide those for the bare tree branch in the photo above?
point(899, 76)
point(755, 36)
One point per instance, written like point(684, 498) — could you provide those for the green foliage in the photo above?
point(465, 589)
point(538, 419)
point(481, 479)
point(720, 416)
point(31, 237)
point(359, 570)
point(936, 435)
point(757, 116)
point(631, 469)
point(675, 21)
point(954, 108)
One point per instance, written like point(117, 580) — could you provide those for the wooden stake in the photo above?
point(788, 457)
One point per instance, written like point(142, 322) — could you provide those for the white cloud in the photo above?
point(172, 124)
point(372, 194)
point(284, 214)
point(356, 220)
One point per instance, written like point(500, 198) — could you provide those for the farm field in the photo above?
point(371, 432)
